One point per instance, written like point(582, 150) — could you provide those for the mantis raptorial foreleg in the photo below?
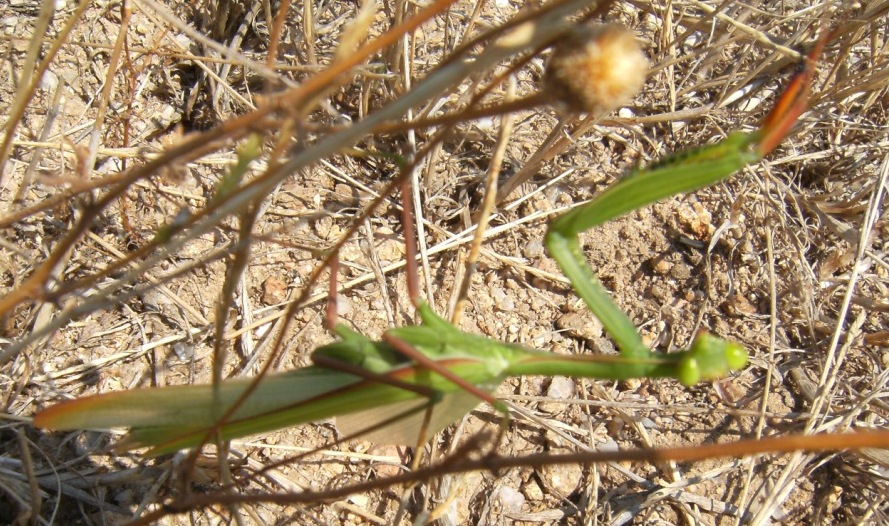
point(684, 172)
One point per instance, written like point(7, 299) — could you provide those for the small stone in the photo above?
point(659, 292)
point(697, 220)
point(739, 306)
point(359, 500)
point(579, 325)
point(560, 388)
point(615, 427)
point(626, 113)
point(503, 301)
point(660, 265)
point(48, 81)
point(511, 500)
point(531, 490)
point(680, 271)
point(388, 468)
point(326, 229)
point(345, 194)
point(563, 480)
point(183, 351)
point(608, 445)
point(274, 290)
point(485, 124)
point(632, 384)
point(693, 39)
point(262, 330)
point(390, 250)
point(125, 497)
point(343, 305)
point(533, 250)
point(470, 485)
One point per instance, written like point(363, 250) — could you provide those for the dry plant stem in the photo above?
point(28, 468)
point(742, 448)
point(230, 130)
point(835, 356)
point(232, 277)
point(105, 96)
point(45, 134)
point(488, 204)
point(275, 37)
point(469, 114)
point(229, 54)
point(545, 151)
point(544, 28)
point(412, 178)
point(309, 30)
point(410, 235)
point(767, 382)
point(24, 95)
point(189, 149)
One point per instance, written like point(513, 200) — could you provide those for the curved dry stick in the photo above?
point(742, 448)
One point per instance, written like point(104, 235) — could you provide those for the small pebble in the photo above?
point(660, 265)
point(626, 113)
point(739, 306)
point(562, 479)
point(274, 290)
point(531, 490)
point(680, 271)
point(183, 351)
point(533, 250)
point(608, 445)
point(580, 325)
point(511, 500)
point(560, 388)
point(48, 81)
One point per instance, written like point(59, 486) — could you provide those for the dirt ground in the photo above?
point(110, 281)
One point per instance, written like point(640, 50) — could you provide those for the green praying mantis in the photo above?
point(426, 376)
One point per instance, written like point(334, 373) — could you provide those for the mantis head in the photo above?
point(710, 357)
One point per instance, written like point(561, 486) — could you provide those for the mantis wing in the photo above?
point(406, 430)
point(172, 418)
point(190, 406)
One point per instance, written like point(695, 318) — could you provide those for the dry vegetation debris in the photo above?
point(788, 258)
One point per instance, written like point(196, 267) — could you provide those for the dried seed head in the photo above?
point(597, 69)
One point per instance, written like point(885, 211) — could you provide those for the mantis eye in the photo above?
point(710, 357)
point(735, 356)
point(597, 69)
point(689, 372)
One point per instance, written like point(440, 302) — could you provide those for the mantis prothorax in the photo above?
point(171, 418)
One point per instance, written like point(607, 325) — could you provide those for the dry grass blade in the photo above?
point(123, 246)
